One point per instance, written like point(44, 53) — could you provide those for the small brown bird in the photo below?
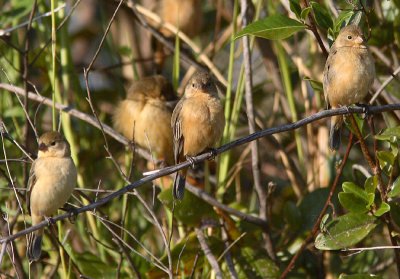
point(51, 181)
point(349, 73)
point(186, 15)
point(145, 116)
point(197, 122)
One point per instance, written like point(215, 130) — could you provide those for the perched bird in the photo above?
point(145, 116)
point(51, 181)
point(186, 15)
point(197, 122)
point(349, 73)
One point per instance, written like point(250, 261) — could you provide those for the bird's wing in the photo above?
point(176, 123)
point(329, 72)
point(31, 184)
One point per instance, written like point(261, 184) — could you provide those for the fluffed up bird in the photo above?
point(51, 181)
point(348, 75)
point(145, 116)
point(197, 122)
point(185, 15)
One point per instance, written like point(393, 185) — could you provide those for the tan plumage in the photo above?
point(349, 73)
point(145, 112)
point(52, 179)
point(197, 121)
point(186, 15)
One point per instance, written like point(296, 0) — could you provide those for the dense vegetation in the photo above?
point(284, 205)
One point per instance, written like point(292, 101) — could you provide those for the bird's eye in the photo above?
point(349, 37)
point(193, 85)
point(53, 143)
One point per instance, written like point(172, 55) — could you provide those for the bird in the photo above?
point(197, 122)
point(51, 181)
point(348, 75)
point(185, 15)
point(145, 116)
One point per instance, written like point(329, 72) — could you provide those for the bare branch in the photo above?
point(209, 255)
point(205, 156)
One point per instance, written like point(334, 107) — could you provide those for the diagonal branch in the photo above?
point(206, 156)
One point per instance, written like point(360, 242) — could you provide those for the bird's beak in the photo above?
point(43, 147)
point(360, 42)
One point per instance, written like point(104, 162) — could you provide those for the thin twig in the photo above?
point(255, 155)
point(104, 37)
point(209, 255)
point(314, 30)
point(384, 84)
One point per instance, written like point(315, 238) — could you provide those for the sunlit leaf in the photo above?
point(390, 134)
point(382, 209)
point(370, 184)
point(345, 231)
point(394, 188)
point(305, 12)
point(353, 203)
point(350, 187)
point(275, 27)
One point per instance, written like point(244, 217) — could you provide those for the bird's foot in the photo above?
point(213, 152)
point(365, 111)
point(73, 213)
point(49, 220)
point(192, 161)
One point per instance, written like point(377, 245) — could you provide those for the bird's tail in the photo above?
point(335, 132)
point(179, 184)
point(35, 246)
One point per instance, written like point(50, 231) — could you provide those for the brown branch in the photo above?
point(255, 155)
point(206, 156)
point(209, 255)
point(312, 26)
point(376, 170)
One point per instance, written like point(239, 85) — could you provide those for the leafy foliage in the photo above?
point(145, 232)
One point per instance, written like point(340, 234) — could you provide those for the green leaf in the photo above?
point(191, 210)
point(345, 231)
point(321, 15)
point(370, 184)
point(316, 85)
point(257, 265)
point(295, 7)
point(395, 188)
point(390, 134)
point(342, 17)
point(382, 209)
point(310, 207)
point(350, 187)
point(305, 12)
point(359, 122)
point(386, 160)
point(353, 203)
point(275, 27)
